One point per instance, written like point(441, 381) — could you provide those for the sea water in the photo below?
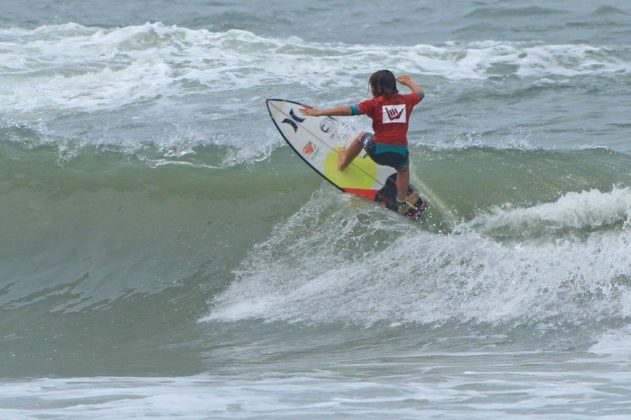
point(164, 254)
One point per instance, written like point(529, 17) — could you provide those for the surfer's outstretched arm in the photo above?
point(339, 111)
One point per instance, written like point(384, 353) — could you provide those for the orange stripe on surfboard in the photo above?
point(367, 194)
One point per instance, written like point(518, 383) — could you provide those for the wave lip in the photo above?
point(574, 211)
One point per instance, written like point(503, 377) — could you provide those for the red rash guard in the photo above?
point(390, 116)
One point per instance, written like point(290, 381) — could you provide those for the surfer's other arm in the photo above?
point(407, 81)
point(339, 111)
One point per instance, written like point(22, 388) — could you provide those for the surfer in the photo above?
point(390, 113)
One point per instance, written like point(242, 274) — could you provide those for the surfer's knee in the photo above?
point(403, 168)
point(357, 140)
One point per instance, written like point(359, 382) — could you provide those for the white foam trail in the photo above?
point(356, 269)
point(73, 66)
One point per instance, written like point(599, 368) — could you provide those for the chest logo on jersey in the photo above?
point(394, 114)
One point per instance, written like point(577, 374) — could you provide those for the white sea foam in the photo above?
point(591, 209)
point(323, 395)
point(513, 138)
point(471, 385)
point(615, 343)
point(180, 88)
point(355, 269)
point(89, 68)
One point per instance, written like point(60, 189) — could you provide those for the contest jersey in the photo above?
point(390, 116)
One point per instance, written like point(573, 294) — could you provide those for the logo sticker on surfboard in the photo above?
point(310, 150)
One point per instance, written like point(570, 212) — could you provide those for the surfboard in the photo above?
point(317, 141)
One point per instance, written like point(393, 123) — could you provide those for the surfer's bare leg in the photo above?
point(346, 156)
point(403, 181)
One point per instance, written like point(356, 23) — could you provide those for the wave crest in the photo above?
point(72, 66)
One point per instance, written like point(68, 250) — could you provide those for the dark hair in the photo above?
point(383, 83)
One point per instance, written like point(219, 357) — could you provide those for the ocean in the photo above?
point(163, 253)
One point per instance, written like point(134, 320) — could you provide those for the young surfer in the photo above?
point(390, 113)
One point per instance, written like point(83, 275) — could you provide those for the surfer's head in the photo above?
point(383, 83)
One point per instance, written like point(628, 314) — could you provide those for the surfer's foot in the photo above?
point(402, 206)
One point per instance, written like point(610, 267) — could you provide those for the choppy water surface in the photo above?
point(162, 252)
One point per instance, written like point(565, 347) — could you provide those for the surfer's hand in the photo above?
point(311, 112)
point(407, 81)
point(404, 79)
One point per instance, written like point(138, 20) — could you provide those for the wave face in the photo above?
point(105, 229)
point(162, 250)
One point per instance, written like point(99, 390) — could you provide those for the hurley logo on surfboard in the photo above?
point(394, 114)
